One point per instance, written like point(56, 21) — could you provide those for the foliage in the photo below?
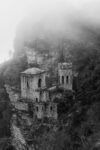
point(85, 117)
point(13, 70)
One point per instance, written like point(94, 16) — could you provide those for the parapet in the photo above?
point(65, 65)
point(33, 71)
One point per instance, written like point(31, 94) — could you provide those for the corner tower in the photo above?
point(65, 75)
point(33, 84)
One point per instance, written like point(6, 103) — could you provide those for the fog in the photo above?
point(61, 17)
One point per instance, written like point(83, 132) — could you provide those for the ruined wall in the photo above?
point(52, 111)
point(29, 86)
point(44, 96)
point(48, 110)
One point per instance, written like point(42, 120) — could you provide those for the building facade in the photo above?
point(65, 75)
point(33, 85)
point(33, 88)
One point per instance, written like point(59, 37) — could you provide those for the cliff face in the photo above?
point(43, 59)
point(27, 133)
point(14, 96)
point(19, 118)
point(18, 140)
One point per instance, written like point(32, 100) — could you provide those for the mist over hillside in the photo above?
point(68, 21)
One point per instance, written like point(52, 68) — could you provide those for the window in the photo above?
point(27, 84)
point(62, 79)
point(37, 109)
point(39, 83)
point(67, 79)
point(36, 99)
point(51, 108)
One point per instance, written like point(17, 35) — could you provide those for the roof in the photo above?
point(64, 65)
point(52, 88)
point(33, 71)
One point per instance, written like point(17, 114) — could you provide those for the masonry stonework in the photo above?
point(32, 80)
point(65, 75)
point(34, 89)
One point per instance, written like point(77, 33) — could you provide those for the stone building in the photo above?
point(33, 88)
point(46, 110)
point(65, 75)
point(33, 85)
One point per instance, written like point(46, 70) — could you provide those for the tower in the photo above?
point(33, 85)
point(65, 75)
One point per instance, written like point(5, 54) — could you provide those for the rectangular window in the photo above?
point(62, 79)
point(39, 83)
point(37, 109)
point(67, 78)
point(50, 108)
point(36, 99)
point(27, 84)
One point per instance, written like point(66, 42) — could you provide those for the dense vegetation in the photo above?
point(83, 116)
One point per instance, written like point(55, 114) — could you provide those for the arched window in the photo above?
point(36, 99)
point(39, 83)
point(67, 78)
point(62, 79)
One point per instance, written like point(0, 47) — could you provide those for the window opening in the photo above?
point(62, 79)
point(51, 108)
point(36, 99)
point(67, 79)
point(37, 109)
point(27, 84)
point(39, 82)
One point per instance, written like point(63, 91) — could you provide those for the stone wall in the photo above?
point(48, 110)
point(29, 86)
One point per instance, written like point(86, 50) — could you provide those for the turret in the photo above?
point(65, 75)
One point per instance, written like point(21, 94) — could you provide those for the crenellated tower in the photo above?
point(65, 75)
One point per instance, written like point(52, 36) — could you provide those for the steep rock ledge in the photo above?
point(14, 96)
point(17, 137)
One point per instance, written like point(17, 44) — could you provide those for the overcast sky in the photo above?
point(13, 11)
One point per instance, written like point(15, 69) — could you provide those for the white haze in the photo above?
point(59, 15)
